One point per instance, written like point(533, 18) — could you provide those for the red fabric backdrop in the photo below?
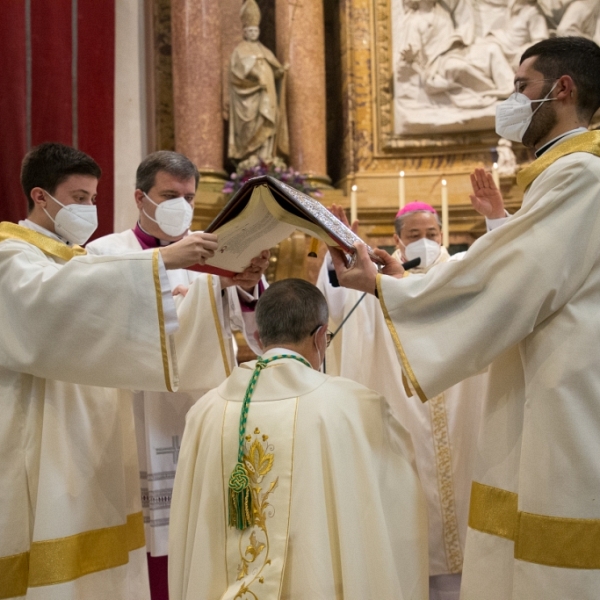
point(68, 105)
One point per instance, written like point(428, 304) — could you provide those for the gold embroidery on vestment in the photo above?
point(564, 542)
point(585, 142)
point(443, 455)
point(401, 354)
point(161, 319)
point(48, 245)
point(254, 542)
point(215, 312)
point(65, 559)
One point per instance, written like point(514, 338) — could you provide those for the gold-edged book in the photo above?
point(263, 213)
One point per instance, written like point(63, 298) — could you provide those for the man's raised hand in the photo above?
point(486, 197)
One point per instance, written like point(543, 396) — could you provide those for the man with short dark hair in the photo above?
point(166, 184)
point(525, 299)
point(293, 484)
point(70, 512)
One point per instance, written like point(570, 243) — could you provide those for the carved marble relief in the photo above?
point(453, 60)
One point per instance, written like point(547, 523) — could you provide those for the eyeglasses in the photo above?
point(328, 335)
point(521, 84)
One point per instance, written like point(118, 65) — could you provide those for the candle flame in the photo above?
point(354, 188)
point(444, 182)
point(401, 173)
point(495, 166)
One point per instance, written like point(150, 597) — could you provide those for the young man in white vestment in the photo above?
point(524, 298)
point(70, 510)
point(166, 185)
point(444, 431)
point(292, 484)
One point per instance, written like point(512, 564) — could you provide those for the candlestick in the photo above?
point(445, 216)
point(353, 204)
point(496, 175)
point(401, 191)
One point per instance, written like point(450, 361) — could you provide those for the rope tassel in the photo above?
point(240, 498)
point(241, 511)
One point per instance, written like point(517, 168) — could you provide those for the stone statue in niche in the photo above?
point(257, 116)
point(507, 161)
point(446, 76)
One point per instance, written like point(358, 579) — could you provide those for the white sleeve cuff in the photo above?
point(246, 296)
point(492, 224)
point(168, 302)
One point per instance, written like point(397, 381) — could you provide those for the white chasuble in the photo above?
point(525, 299)
point(256, 556)
point(444, 431)
point(341, 514)
point(205, 357)
point(70, 515)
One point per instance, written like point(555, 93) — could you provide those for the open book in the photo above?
point(263, 213)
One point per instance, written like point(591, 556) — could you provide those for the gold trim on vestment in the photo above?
point(225, 503)
point(13, 575)
point(541, 539)
point(213, 305)
point(405, 385)
point(161, 318)
point(48, 245)
point(493, 510)
point(585, 142)
point(407, 369)
point(287, 534)
point(558, 541)
point(64, 559)
point(443, 456)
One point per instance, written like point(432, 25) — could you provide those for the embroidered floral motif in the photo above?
point(441, 443)
point(254, 541)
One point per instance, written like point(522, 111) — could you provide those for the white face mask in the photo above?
point(74, 222)
point(174, 217)
point(427, 250)
point(514, 115)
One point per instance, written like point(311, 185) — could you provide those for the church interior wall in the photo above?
point(116, 101)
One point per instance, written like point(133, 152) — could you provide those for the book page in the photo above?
point(246, 235)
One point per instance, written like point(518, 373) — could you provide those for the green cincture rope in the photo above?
point(240, 494)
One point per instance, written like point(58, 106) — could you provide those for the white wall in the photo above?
point(130, 107)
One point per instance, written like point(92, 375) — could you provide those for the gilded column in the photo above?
point(301, 43)
point(197, 83)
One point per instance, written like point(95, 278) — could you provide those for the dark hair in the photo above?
point(289, 311)
point(173, 163)
point(49, 164)
point(399, 221)
point(577, 57)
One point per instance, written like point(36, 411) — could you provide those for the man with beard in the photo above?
point(525, 299)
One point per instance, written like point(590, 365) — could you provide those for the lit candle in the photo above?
point(401, 190)
point(445, 219)
point(496, 175)
point(353, 204)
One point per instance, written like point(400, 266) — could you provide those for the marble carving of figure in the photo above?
point(447, 61)
point(455, 59)
point(507, 161)
point(257, 120)
point(581, 18)
point(525, 26)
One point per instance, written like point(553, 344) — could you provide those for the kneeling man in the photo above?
point(292, 483)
